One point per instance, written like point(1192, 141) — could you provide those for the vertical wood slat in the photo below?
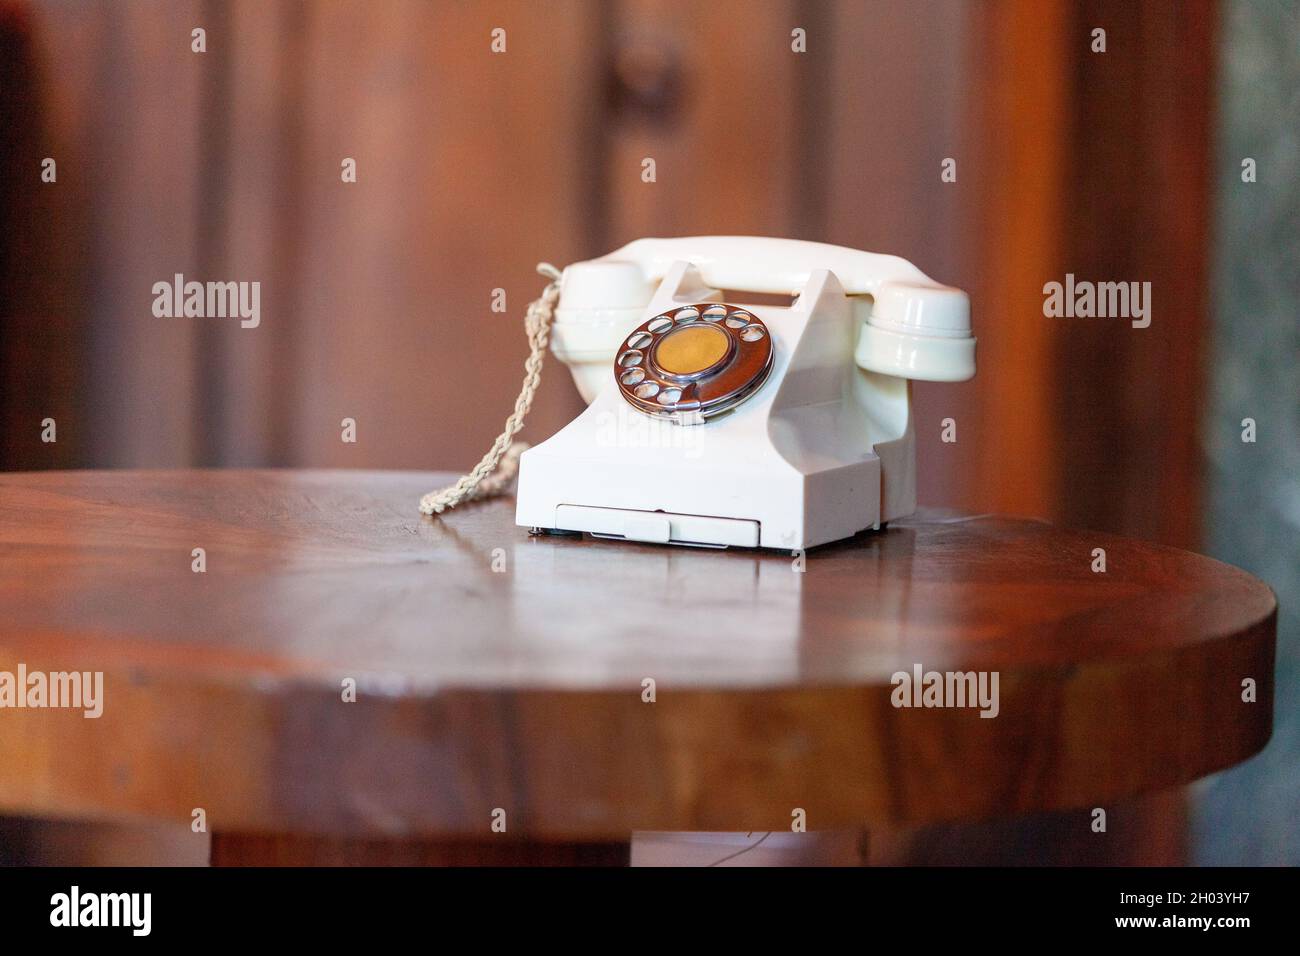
point(253, 373)
point(469, 173)
point(1130, 399)
point(1014, 245)
point(726, 151)
point(40, 361)
point(895, 96)
point(134, 154)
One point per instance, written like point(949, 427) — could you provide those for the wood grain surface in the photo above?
point(499, 671)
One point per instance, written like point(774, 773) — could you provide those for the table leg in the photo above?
point(283, 849)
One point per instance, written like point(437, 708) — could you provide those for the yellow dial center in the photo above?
point(690, 349)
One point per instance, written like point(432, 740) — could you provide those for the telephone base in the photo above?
point(565, 533)
point(818, 451)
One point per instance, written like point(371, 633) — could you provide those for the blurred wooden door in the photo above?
point(785, 117)
point(376, 295)
point(472, 165)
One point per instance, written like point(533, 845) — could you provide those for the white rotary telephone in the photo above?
point(715, 423)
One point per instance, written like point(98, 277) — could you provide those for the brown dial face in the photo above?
point(694, 361)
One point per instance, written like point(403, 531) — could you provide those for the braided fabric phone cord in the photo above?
point(493, 474)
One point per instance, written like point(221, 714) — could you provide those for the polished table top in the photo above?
point(498, 670)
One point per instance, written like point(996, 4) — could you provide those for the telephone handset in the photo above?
point(777, 426)
point(914, 327)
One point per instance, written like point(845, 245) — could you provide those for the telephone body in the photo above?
point(715, 423)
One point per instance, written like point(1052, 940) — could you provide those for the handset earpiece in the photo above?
point(914, 327)
point(600, 301)
point(918, 331)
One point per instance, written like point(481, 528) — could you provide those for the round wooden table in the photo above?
point(574, 690)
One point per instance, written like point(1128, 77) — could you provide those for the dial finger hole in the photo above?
point(714, 313)
point(669, 396)
point(632, 376)
point(738, 320)
point(687, 315)
point(751, 333)
point(658, 325)
point(646, 390)
point(639, 340)
point(630, 358)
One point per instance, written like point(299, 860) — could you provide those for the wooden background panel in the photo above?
point(1018, 56)
point(135, 144)
point(710, 92)
point(474, 165)
point(375, 295)
point(896, 95)
point(1137, 200)
point(893, 106)
point(40, 329)
point(1068, 161)
point(247, 377)
point(470, 171)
